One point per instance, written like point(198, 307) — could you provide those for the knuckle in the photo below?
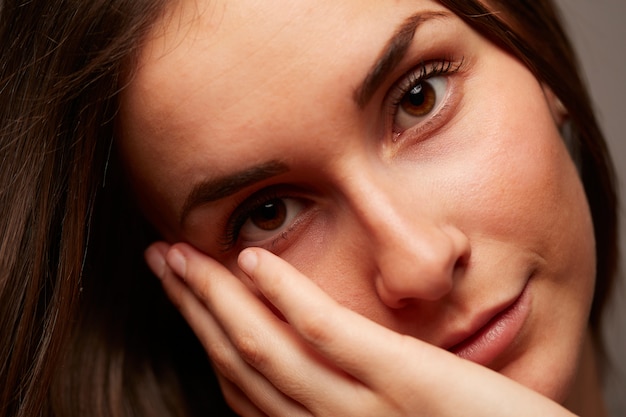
point(202, 288)
point(224, 361)
point(251, 351)
point(315, 328)
point(202, 283)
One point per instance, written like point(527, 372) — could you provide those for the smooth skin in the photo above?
point(317, 365)
point(407, 227)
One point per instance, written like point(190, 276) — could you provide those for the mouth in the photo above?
point(490, 340)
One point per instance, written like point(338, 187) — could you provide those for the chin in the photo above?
point(551, 372)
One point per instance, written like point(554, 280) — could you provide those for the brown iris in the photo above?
point(420, 100)
point(270, 215)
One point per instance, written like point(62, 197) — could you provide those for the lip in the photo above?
point(488, 341)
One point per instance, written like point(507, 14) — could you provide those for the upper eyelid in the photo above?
point(423, 71)
point(240, 208)
point(244, 205)
point(395, 52)
point(447, 67)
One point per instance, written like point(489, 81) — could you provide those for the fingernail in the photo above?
point(155, 261)
point(248, 261)
point(176, 260)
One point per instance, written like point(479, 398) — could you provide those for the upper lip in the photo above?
point(477, 322)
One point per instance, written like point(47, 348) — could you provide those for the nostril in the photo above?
point(426, 267)
point(462, 261)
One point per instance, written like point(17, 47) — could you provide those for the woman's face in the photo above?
point(407, 165)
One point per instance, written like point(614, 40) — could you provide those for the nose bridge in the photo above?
point(417, 253)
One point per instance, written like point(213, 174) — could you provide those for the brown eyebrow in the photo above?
point(394, 52)
point(217, 188)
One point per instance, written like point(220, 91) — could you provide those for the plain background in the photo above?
point(598, 32)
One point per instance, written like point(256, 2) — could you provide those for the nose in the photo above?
point(417, 255)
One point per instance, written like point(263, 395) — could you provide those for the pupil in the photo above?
point(268, 211)
point(420, 100)
point(416, 96)
point(270, 215)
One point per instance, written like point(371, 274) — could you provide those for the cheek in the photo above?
point(522, 191)
point(331, 255)
point(528, 196)
point(514, 177)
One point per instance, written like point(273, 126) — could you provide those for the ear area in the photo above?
point(561, 118)
point(559, 113)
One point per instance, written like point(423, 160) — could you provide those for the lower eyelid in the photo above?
point(293, 208)
point(276, 243)
point(437, 120)
point(240, 212)
point(401, 113)
point(455, 71)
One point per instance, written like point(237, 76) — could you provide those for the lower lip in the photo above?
point(484, 346)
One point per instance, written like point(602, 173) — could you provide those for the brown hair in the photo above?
point(73, 341)
point(85, 329)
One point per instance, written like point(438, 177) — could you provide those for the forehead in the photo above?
point(218, 82)
point(236, 52)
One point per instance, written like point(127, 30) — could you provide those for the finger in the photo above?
point(242, 381)
point(249, 392)
point(407, 371)
point(341, 335)
point(261, 339)
point(237, 361)
point(424, 385)
point(155, 257)
point(241, 403)
point(237, 400)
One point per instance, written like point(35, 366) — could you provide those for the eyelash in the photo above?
point(424, 72)
point(243, 210)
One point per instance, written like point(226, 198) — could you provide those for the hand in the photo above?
point(322, 359)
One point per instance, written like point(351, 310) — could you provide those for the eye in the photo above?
point(418, 95)
point(269, 220)
point(420, 101)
